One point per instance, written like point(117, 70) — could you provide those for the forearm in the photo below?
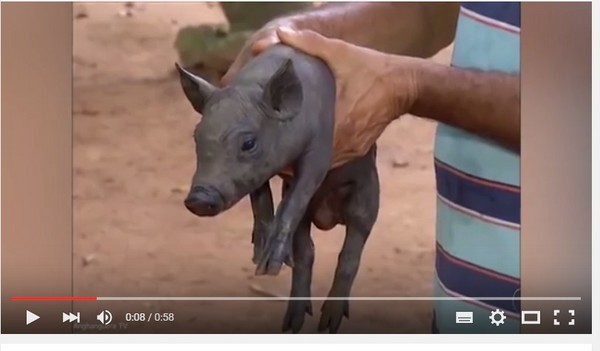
point(484, 103)
point(411, 29)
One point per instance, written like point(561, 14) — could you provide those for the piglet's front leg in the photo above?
point(309, 174)
point(262, 210)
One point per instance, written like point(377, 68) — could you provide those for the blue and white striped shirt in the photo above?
point(478, 190)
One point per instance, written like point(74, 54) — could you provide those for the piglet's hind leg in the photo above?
point(360, 213)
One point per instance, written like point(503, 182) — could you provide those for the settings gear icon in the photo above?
point(497, 317)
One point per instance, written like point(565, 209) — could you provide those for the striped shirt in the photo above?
point(478, 190)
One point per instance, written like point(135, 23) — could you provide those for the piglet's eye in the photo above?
point(249, 144)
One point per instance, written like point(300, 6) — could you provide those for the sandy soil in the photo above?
point(133, 160)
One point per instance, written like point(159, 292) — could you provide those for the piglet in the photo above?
point(277, 119)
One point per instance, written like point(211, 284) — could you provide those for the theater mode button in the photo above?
point(530, 317)
point(30, 317)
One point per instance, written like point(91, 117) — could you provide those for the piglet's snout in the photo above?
point(204, 201)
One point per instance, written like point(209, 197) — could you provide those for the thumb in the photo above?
point(307, 41)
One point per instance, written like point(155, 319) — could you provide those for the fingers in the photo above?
point(263, 44)
point(309, 42)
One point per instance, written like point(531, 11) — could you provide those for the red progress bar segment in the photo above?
point(54, 298)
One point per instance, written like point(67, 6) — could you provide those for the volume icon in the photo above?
point(104, 317)
point(70, 317)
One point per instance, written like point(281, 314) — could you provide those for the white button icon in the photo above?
point(572, 314)
point(70, 317)
point(556, 313)
point(464, 317)
point(530, 317)
point(30, 317)
point(497, 317)
point(104, 317)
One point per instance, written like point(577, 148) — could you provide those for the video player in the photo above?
point(241, 192)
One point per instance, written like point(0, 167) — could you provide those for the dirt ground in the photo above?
point(133, 160)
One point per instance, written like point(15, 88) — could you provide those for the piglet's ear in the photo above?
point(283, 92)
point(196, 89)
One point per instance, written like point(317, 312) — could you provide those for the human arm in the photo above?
point(412, 29)
point(486, 104)
point(374, 89)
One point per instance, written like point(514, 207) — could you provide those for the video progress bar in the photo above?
point(287, 298)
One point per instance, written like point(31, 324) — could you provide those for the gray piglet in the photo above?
point(277, 118)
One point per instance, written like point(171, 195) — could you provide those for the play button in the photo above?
point(30, 317)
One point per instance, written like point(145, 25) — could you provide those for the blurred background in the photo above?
point(134, 158)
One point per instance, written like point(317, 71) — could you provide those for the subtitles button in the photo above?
point(464, 317)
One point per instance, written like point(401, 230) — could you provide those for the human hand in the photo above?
point(373, 89)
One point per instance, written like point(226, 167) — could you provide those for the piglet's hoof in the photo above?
point(331, 315)
point(294, 316)
point(274, 256)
